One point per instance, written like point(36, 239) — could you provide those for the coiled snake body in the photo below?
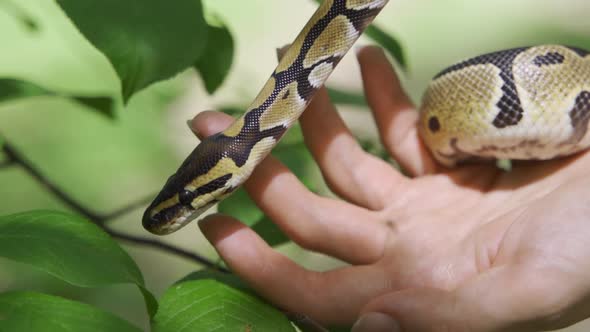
point(523, 103)
point(526, 103)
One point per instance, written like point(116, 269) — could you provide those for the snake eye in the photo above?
point(186, 197)
point(433, 124)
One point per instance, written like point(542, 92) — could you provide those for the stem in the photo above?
point(16, 158)
point(6, 164)
point(165, 247)
point(47, 184)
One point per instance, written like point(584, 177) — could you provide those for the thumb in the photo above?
point(502, 299)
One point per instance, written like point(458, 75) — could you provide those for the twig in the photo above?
point(6, 163)
point(17, 158)
point(126, 209)
point(14, 157)
point(305, 323)
point(165, 247)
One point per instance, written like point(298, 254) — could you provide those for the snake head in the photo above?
point(212, 172)
point(199, 183)
point(434, 131)
point(458, 109)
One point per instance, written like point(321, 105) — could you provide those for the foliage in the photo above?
point(34, 312)
point(145, 42)
point(12, 89)
point(210, 301)
point(214, 64)
point(52, 236)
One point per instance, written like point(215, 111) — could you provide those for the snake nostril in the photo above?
point(149, 222)
point(433, 124)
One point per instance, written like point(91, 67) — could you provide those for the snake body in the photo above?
point(525, 103)
point(222, 162)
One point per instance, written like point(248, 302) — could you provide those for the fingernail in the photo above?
point(189, 123)
point(376, 322)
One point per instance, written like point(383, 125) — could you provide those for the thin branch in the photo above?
point(165, 247)
point(17, 158)
point(6, 163)
point(305, 323)
point(14, 157)
point(126, 209)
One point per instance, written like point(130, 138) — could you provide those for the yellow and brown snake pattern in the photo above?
point(524, 103)
point(221, 163)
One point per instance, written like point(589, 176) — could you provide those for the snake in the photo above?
point(523, 103)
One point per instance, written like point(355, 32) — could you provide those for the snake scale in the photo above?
point(523, 103)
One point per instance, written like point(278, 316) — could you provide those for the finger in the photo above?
point(394, 112)
point(315, 223)
point(508, 298)
point(351, 173)
point(333, 297)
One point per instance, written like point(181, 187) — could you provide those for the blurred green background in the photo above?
point(108, 164)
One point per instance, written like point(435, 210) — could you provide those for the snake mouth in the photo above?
point(164, 222)
point(156, 227)
point(173, 218)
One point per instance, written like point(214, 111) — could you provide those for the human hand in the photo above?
point(468, 249)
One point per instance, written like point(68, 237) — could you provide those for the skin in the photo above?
point(465, 249)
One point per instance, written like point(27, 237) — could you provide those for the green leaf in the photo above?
point(299, 160)
point(33, 312)
point(70, 248)
point(302, 322)
point(234, 111)
point(504, 164)
point(67, 247)
point(375, 148)
point(209, 304)
point(240, 206)
point(215, 63)
point(228, 279)
point(390, 44)
point(105, 105)
point(145, 40)
point(270, 232)
point(150, 300)
point(19, 14)
point(342, 97)
point(293, 136)
point(14, 89)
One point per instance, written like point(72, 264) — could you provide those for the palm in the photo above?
point(446, 230)
point(459, 223)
